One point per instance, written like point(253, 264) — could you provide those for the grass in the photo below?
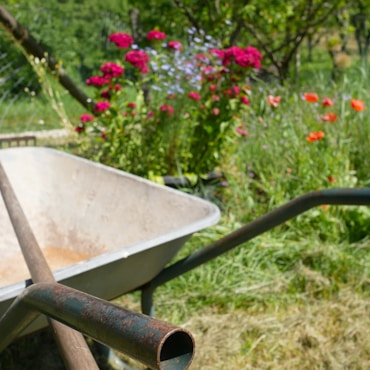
point(297, 296)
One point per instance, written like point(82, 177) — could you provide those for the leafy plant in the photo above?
point(166, 110)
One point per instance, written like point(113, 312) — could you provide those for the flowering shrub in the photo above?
point(167, 110)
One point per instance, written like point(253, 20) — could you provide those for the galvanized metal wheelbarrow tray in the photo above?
point(105, 232)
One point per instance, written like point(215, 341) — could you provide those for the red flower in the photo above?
point(97, 81)
point(110, 70)
point(167, 108)
point(121, 40)
point(105, 94)
point(244, 100)
point(79, 129)
point(327, 102)
point(314, 136)
point(329, 117)
point(194, 95)
point(155, 35)
point(86, 117)
point(331, 179)
point(131, 105)
point(176, 45)
point(357, 105)
point(274, 100)
point(138, 59)
point(311, 97)
point(102, 106)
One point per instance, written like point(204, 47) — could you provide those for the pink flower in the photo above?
point(235, 90)
point(138, 59)
point(216, 111)
point(212, 87)
point(202, 57)
point(248, 57)
point(176, 45)
point(155, 35)
point(327, 102)
point(194, 95)
point(131, 105)
point(167, 108)
point(102, 106)
point(110, 70)
point(242, 130)
point(121, 40)
point(86, 117)
point(244, 100)
point(274, 100)
point(97, 81)
point(254, 57)
point(217, 52)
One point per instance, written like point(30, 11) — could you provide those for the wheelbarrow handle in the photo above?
point(153, 342)
point(339, 196)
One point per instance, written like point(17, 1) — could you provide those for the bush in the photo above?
point(166, 110)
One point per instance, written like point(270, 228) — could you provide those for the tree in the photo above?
point(280, 27)
point(360, 20)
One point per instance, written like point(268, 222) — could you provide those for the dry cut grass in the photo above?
point(323, 334)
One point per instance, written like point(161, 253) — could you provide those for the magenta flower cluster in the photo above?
point(248, 57)
point(121, 40)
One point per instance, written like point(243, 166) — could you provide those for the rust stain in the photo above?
point(14, 269)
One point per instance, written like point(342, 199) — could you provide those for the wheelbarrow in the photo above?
point(106, 233)
point(103, 233)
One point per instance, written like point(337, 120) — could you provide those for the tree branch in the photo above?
point(32, 47)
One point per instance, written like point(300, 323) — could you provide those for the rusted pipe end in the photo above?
point(176, 350)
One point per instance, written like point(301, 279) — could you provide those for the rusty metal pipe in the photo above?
point(155, 343)
point(72, 346)
point(340, 196)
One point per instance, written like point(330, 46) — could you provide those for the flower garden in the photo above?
point(296, 297)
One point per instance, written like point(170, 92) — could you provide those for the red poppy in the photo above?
point(327, 102)
point(274, 100)
point(314, 136)
point(357, 105)
point(329, 117)
point(311, 97)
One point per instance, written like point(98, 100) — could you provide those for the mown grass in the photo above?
point(297, 296)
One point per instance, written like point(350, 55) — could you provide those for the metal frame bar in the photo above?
point(153, 342)
point(340, 196)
